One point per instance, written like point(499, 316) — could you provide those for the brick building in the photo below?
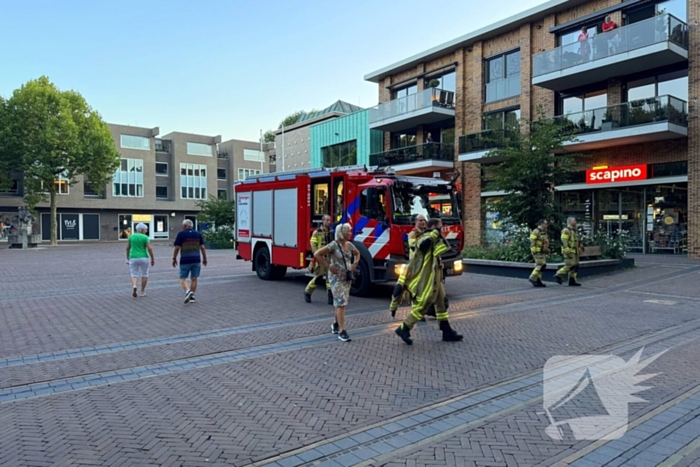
point(630, 92)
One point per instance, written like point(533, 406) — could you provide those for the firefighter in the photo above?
point(418, 229)
point(424, 275)
point(539, 246)
point(320, 238)
point(571, 247)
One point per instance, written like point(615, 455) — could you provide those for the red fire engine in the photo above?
point(276, 214)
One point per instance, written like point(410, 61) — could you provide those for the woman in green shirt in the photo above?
point(138, 249)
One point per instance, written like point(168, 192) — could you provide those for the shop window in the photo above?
point(338, 155)
point(124, 226)
point(160, 228)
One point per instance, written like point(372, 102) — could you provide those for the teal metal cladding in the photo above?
point(343, 129)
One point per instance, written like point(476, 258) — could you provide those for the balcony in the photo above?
point(474, 147)
point(163, 145)
point(422, 108)
point(646, 45)
point(641, 121)
point(415, 159)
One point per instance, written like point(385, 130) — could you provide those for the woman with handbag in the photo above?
point(341, 273)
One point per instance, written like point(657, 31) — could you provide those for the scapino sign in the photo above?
point(628, 173)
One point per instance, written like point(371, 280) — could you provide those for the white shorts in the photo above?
point(139, 267)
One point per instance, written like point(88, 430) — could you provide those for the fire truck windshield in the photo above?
point(431, 201)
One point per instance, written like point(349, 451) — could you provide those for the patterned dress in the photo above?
point(340, 288)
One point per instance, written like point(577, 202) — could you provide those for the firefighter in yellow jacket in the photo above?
point(320, 238)
point(418, 229)
point(539, 247)
point(571, 248)
point(424, 278)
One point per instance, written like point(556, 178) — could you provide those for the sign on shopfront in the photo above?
point(627, 173)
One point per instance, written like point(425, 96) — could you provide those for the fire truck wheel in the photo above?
point(263, 268)
point(360, 286)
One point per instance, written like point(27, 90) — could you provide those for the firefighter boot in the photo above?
point(449, 334)
point(559, 279)
point(307, 296)
point(540, 283)
point(573, 283)
point(404, 333)
point(330, 297)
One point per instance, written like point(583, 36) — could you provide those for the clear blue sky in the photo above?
point(228, 67)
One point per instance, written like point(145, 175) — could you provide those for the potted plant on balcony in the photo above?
point(433, 83)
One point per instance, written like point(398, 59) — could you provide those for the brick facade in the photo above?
point(533, 36)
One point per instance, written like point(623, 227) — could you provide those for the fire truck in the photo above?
point(276, 214)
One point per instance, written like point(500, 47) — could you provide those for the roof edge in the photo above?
point(493, 29)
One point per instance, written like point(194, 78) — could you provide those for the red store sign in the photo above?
point(627, 173)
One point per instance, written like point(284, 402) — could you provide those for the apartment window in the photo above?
point(341, 154)
point(128, 180)
point(584, 101)
point(402, 140)
point(245, 173)
point(503, 76)
point(502, 120)
point(61, 185)
point(407, 91)
point(253, 155)
point(222, 194)
point(193, 181)
point(221, 174)
point(199, 149)
point(162, 169)
point(89, 192)
point(674, 84)
point(448, 81)
point(135, 142)
point(161, 192)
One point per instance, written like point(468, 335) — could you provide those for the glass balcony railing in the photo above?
point(503, 88)
point(484, 140)
point(662, 28)
point(640, 112)
point(432, 97)
point(408, 154)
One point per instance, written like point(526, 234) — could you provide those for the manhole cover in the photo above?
point(661, 302)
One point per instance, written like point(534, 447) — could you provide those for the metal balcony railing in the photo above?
point(640, 112)
point(432, 97)
point(662, 28)
point(484, 140)
point(418, 153)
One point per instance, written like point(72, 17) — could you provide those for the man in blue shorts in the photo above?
point(189, 243)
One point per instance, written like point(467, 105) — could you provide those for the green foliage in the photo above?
point(610, 247)
point(534, 162)
point(269, 136)
point(5, 156)
point(48, 132)
point(220, 212)
point(219, 237)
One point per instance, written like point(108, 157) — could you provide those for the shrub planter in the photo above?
point(523, 270)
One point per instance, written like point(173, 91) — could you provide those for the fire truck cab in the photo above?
point(276, 214)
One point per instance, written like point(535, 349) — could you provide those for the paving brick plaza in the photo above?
point(251, 375)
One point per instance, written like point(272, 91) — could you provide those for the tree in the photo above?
point(5, 156)
point(269, 136)
point(52, 137)
point(220, 212)
point(533, 163)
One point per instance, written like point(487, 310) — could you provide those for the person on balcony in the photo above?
point(613, 38)
point(585, 48)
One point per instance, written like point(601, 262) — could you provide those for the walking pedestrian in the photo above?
point(426, 286)
point(190, 245)
point(320, 238)
point(400, 287)
point(539, 247)
point(571, 248)
point(138, 249)
point(337, 258)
